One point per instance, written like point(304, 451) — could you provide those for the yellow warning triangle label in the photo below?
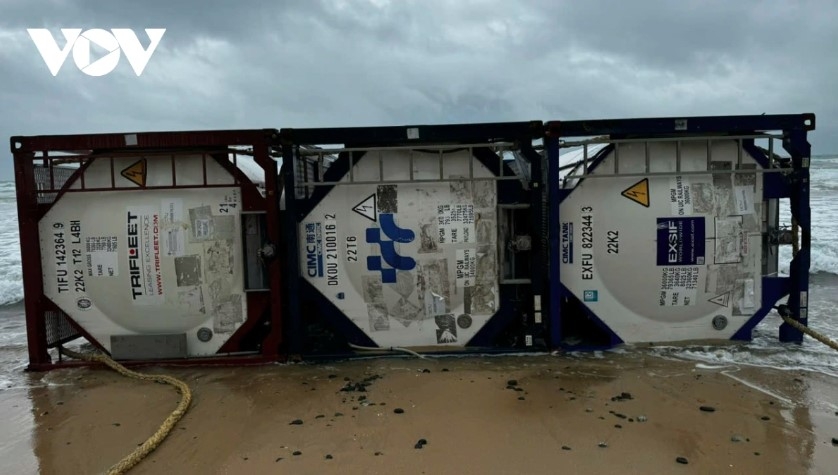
point(638, 192)
point(136, 172)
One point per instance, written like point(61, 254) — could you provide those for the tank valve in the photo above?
point(267, 253)
point(520, 243)
point(782, 237)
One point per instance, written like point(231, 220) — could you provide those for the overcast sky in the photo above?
point(321, 63)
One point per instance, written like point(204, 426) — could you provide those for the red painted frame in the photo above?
point(215, 144)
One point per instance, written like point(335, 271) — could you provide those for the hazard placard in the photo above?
point(722, 300)
point(638, 192)
point(136, 172)
point(368, 208)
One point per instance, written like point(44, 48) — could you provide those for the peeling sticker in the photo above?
point(192, 300)
point(728, 240)
point(174, 242)
point(188, 270)
point(228, 313)
point(446, 329)
point(744, 199)
point(172, 211)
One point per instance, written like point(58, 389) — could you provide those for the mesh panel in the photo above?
point(60, 175)
point(59, 329)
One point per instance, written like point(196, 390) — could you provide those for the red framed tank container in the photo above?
point(156, 247)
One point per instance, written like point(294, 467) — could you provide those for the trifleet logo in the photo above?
point(112, 42)
point(388, 248)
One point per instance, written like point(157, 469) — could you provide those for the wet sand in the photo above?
point(624, 413)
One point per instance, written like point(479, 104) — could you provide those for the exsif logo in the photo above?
point(680, 241)
point(113, 43)
point(388, 248)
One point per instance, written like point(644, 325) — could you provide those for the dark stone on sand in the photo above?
point(362, 398)
point(444, 370)
point(564, 447)
point(278, 459)
point(707, 409)
point(297, 452)
point(398, 410)
point(338, 414)
point(420, 443)
point(756, 453)
point(631, 420)
point(319, 416)
point(835, 441)
point(329, 457)
point(510, 387)
point(512, 382)
point(621, 416)
point(333, 376)
point(626, 396)
point(682, 460)
point(765, 418)
point(603, 445)
point(519, 389)
point(618, 426)
point(378, 453)
point(520, 398)
point(296, 422)
point(426, 370)
point(117, 424)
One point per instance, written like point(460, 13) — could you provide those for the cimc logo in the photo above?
point(111, 42)
point(388, 248)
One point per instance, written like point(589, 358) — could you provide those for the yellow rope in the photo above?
point(812, 333)
point(795, 243)
point(132, 459)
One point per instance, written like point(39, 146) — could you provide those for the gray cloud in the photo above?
point(378, 62)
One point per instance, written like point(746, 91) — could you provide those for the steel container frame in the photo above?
point(791, 182)
point(355, 142)
point(42, 154)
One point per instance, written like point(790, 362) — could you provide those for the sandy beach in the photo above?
point(622, 413)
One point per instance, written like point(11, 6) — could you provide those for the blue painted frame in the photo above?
point(522, 133)
point(794, 186)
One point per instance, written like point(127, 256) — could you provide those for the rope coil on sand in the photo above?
point(132, 459)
